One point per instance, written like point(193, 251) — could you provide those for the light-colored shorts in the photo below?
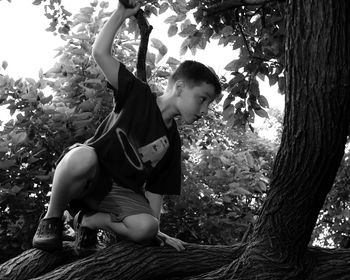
point(122, 202)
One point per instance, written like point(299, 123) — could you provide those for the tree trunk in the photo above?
point(316, 126)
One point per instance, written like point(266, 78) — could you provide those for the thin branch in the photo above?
point(247, 45)
point(245, 40)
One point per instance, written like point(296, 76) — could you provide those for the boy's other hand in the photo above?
point(163, 239)
point(130, 7)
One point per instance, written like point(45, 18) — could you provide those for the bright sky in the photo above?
point(27, 47)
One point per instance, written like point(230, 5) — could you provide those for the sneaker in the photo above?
point(48, 235)
point(85, 238)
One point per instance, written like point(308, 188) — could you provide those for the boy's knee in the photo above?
point(142, 227)
point(80, 160)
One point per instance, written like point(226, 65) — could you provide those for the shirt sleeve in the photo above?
point(165, 178)
point(126, 85)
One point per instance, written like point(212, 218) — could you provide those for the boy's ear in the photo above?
point(178, 87)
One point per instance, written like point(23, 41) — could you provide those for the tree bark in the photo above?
point(129, 261)
point(316, 126)
point(124, 260)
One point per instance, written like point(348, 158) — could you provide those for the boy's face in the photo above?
point(193, 101)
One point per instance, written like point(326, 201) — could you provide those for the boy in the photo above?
point(119, 176)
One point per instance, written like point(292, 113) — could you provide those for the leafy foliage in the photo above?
point(333, 228)
point(225, 181)
point(254, 28)
point(256, 31)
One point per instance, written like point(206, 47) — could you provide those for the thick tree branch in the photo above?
point(145, 31)
point(124, 260)
point(231, 4)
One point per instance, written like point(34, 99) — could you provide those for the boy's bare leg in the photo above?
point(71, 176)
point(138, 228)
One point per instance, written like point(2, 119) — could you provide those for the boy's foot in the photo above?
point(85, 238)
point(48, 235)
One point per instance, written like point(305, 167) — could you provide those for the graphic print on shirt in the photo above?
point(152, 152)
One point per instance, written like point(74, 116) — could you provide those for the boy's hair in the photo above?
point(195, 73)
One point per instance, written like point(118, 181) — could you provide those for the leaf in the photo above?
point(15, 190)
point(281, 84)
point(184, 47)
point(228, 101)
point(238, 43)
point(227, 30)
point(94, 4)
point(83, 116)
point(188, 30)
point(202, 43)
point(163, 7)
point(263, 101)
point(128, 46)
point(163, 74)
point(151, 9)
point(156, 43)
point(171, 19)
point(173, 62)
point(3, 150)
point(220, 173)
point(3, 81)
point(31, 81)
point(224, 41)
point(162, 49)
point(239, 104)
point(43, 177)
point(104, 4)
point(4, 65)
point(172, 30)
point(37, 2)
point(235, 64)
point(228, 112)
point(273, 79)
point(260, 76)
point(235, 188)
point(151, 58)
point(6, 164)
point(254, 88)
point(249, 159)
point(46, 100)
point(19, 138)
point(261, 185)
point(231, 66)
point(93, 81)
point(261, 113)
point(227, 199)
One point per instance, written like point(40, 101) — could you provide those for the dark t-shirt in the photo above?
point(133, 145)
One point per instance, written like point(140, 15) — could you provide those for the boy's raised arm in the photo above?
point(102, 48)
